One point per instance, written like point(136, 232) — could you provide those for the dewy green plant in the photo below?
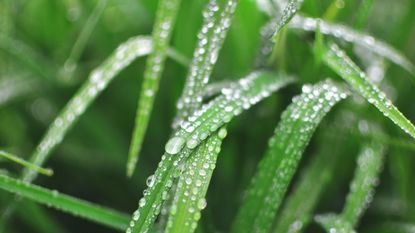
point(203, 183)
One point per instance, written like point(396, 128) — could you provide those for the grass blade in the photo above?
point(277, 168)
point(361, 192)
point(242, 95)
point(65, 203)
point(16, 159)
point(217, 20)
point(348, 34)
point(191, 190)
point(338, 61)
point(288, 13)
point(81, 41)
point(98, 81)
point(163, 27)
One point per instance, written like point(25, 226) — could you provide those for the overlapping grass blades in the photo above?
point(350, 35)
point(97, 82)
point(338, 61)
point(217, 20)
point(189, 199)
point(203, 123)
point(16, 159)
point(162, 30)
point(361, 192)
point(65, 203)
point(276, 169)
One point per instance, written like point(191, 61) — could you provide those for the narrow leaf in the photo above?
point(97, 82)
point(16, 159)
point(65, 203)
point(348, 34)
point(189, 199)
point(241, 96)
point(217, 20)
point(332, 223)
point(288, 13)
point(279, 164)
point(162, 30)
point(338, 61)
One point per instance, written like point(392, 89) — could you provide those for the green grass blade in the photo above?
point(189, 199)
point(81, 41)
point(365, 179)
point(16, 159)
point(65, 203)
point(288, 13)
point(163, 27)
point(338, 61)
point(277, 168)
point(241, 96)
point(361, 192)
point(298, 211)
point(217, 20)
point(97, 82)
point(348, 34)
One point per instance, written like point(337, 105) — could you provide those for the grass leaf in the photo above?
point(97, 82)
point(16, 159)
point(288, 13)
point(162, 30)
point(348, 34)
point(217, 17)
point(189, 199)
point(65, 203)
point(279, 164)
point(241, 96)
point(338, 61)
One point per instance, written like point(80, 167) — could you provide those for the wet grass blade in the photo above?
point(241, 96)
point(348, 34)
point(298, 211)
point(162, 30)
point(82, 40)
point(189, 199)
point(361, 192)
point(97, 82)
point(217, 20)
point(338, 61)
point(291, 8)
point(276, 169)
point(16, 159)
point(65, 203)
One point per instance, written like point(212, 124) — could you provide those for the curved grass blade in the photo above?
point(16, 159)
point(338, 61)
point(288, 13)
point(277, 168)
point(97, 82)
point(361, 193)
point(233, 101)
point(217, 20)
point(298, 211)
point(163, 27)
point(65, 203)
point(350, 35)
point(191, 190)
point(81, 41)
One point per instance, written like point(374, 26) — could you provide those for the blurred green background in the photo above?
point(38, 35)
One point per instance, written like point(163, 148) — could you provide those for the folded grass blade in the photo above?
point(97, 82)
point(16, 159)
point(65, 203)
point(338, 61)
point(163, 27)
point(361, 192)
point(217, 20)
point(233, 101)
point(276, 169)
point(348, 34)
point(189, 199)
